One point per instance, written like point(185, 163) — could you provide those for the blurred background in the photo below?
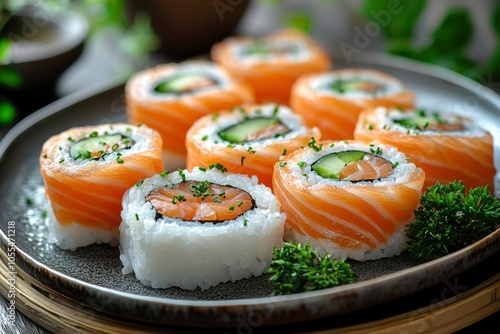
point(52, 48)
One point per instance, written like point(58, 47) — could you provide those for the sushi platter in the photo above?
point(92, 277)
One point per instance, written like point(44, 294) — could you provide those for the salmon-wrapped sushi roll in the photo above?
point(199, 228)
point(447, 146)
point(170, 97)
point(351, 199)
point(249, 139)
point(333, 100)
point(86, 171)
point(270, 65)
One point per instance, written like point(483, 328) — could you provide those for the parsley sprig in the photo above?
point(298, 267)
point(449, 219)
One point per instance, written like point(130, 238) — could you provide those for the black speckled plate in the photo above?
point(92, 275)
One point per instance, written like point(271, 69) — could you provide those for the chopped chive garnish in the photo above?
point(181, 174)
point(282, 163)
point(44, 214)
point(301, 164)
point(164, 173)
point(45, 156)
point(28, 201)
point(245, 222)
point(139, 125)
point(71, 139)
point(205, 137)
point(250, 150)
point(136, 216)
point(370, 127)
point(276, 110)
point(231, 146)
point(231, 208)
point(242, 159)
point(240, 204)
point(139, 183)
point(312, 144)
point(128, 129)
point(283, 152)
point(214, 117)
point(61, 161)
point(217, 200)
point(120, 160)
point(93, 134)
point(395, 164)
point(203, 169)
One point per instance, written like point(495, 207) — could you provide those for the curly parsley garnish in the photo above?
point(297, 268)
point(449, 219)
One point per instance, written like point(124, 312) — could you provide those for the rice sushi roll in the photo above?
point(351, 199)
point(270, 65)
point(86, 171)
point(199, 228)
point(170, 97)
point(447, 146)
point(333, 100)
point(249, 139)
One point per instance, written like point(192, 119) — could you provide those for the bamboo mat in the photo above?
point(52, 311)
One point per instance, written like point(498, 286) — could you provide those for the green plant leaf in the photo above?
point(495, 20)
point(396, 19)
point(5, 47)
point(300, 21)
point(7, 113)
point(454, 33)
point(10, 77)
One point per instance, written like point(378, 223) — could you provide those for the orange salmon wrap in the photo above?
point(351, 199)
point(272, 64)
point(332, 101)
point(170, 97)
point(86, 171)
point(447, 146)
point(247, 140)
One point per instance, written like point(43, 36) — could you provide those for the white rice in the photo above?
point(395, 245)
point(172, 252)
point(74, 235)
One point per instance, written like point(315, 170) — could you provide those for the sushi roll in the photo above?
point(351, 199)
point(248, 139)
point(170, 97)
point(86, 171)
point(333, 100)
point(270, 65)
point(199, 228)
point(447, 146)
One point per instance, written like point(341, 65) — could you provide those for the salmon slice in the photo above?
point(336, 115)
point(372, 167)
point(444, 157)
point(357, 216)
point(200, 201)
point(90, 193)
point(173, 115)
point(272, 77)
point(267, 132)
point(255, 158)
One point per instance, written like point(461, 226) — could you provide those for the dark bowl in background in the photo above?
point(190, 27)
point(44, 45)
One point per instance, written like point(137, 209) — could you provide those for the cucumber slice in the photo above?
point(184, 83)
point(342, 86)
point(330, 165)
point(417, 123)
point(239, 132)
point(96, 147)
